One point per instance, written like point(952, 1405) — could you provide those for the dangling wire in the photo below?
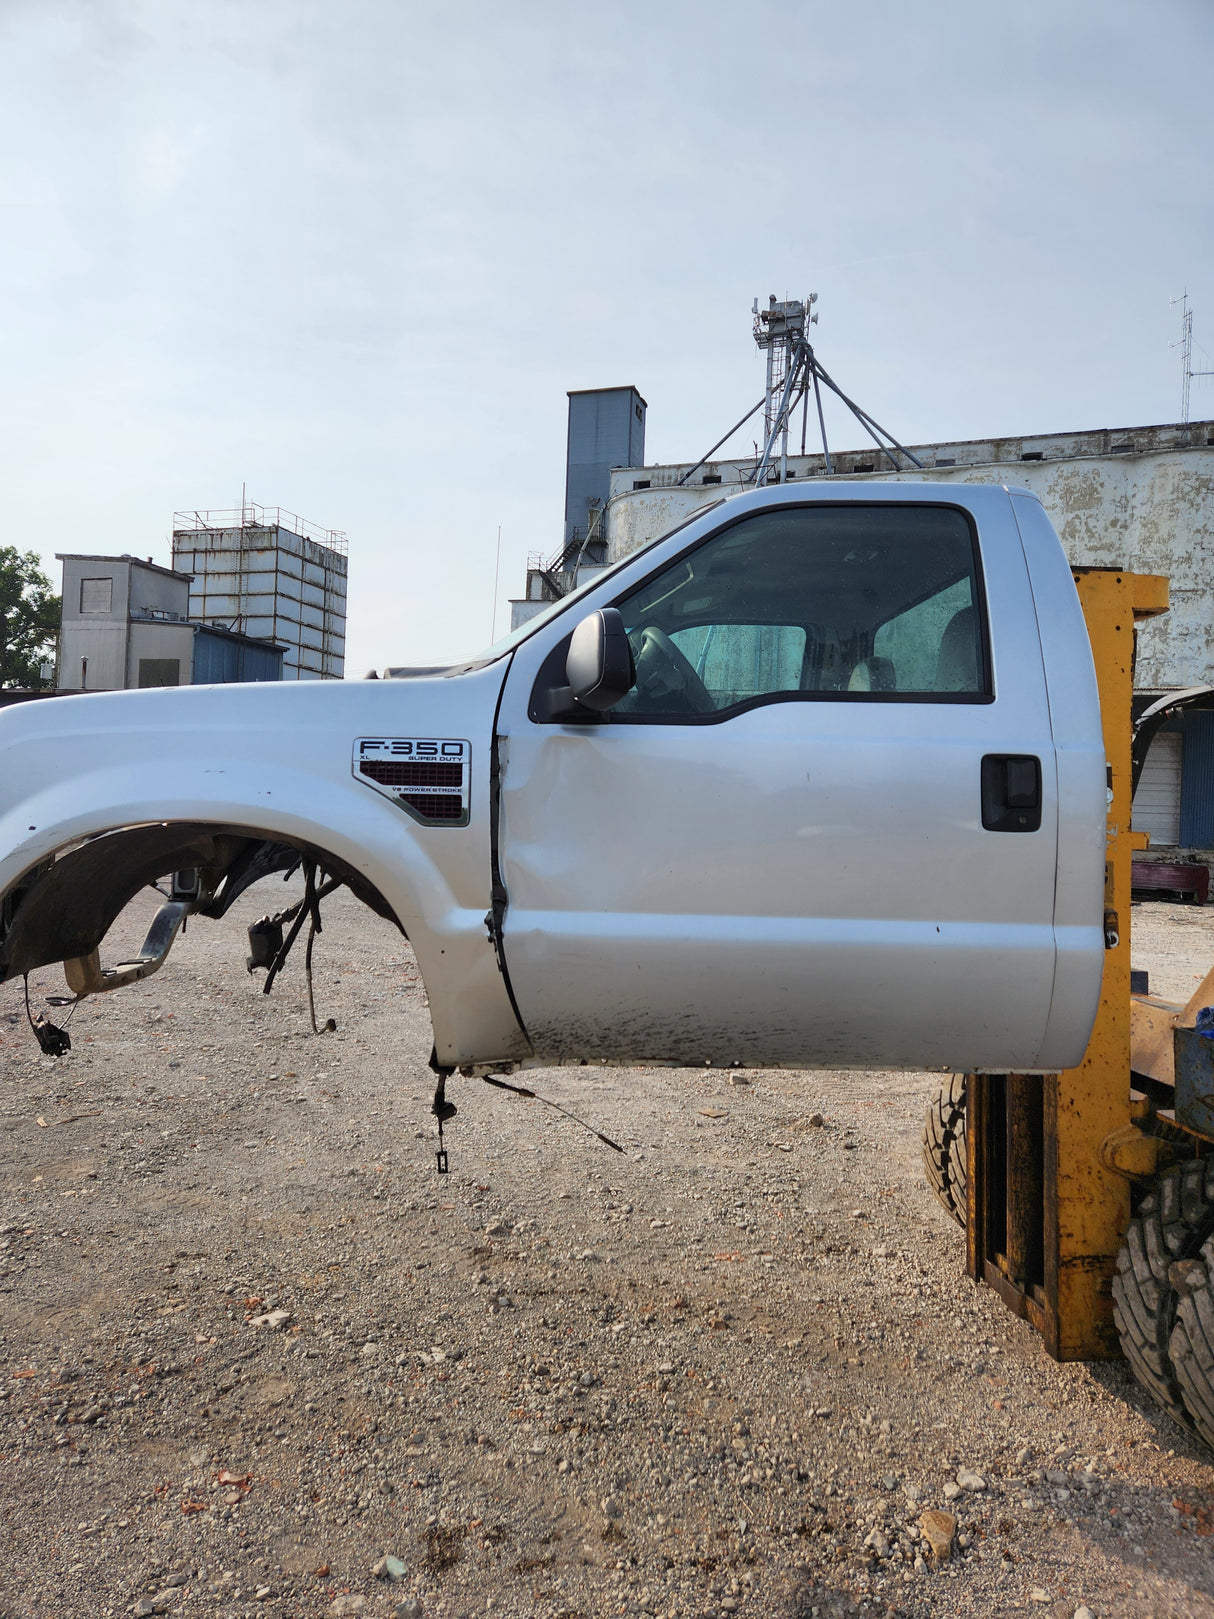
point(521, 1090)
point(311, 908)
point(308, 906)
point(330, 1024)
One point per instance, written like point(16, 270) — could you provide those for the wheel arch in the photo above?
point(435, 891)
point(64, 907)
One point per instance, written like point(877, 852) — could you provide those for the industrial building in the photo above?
point(1140, 498)
point(126, 623)
point(606, 430)
point(266, 573)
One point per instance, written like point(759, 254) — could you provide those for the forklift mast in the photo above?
point(1051, 1159)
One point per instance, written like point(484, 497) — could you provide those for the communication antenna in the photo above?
point(497, 569)
point(1185, 345)
point(793, 372)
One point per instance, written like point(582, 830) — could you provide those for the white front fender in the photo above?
point(276, 760)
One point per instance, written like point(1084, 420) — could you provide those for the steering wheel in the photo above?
point(666, 678)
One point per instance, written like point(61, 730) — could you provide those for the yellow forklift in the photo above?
point(1087, 1197)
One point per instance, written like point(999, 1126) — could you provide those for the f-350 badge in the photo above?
point(429, 777)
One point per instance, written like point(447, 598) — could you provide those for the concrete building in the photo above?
point(1139, 497)
point(126, 623)
point(266, 573)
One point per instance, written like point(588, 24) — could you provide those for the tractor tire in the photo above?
point(1192, 1341)
point(1173, 1223)
point(944, 1146)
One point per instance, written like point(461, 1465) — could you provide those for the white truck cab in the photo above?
point(819, 781)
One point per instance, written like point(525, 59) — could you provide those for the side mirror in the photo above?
point(599, 668)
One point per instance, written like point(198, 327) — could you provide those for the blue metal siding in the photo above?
point(606, 429)
point(1197, 780)
point(222, 659)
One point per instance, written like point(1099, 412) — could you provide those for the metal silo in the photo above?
point(606, 429)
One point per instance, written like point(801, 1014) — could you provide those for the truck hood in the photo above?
point(64, 735)
point(275, 763)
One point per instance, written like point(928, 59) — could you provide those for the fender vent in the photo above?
point(428, 777)
point(434, 806)
point(391, 773)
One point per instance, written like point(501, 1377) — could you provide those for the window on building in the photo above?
point(159, 672)
point(96, 595)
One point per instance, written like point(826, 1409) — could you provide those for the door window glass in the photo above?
point(916, 642)
point(849, 602)
point(738, 661)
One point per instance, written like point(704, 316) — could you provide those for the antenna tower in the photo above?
point(1185, 345)
point(793, 372)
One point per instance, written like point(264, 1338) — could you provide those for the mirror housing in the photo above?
point(599, 668)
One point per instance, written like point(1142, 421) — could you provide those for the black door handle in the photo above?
point(1011, 792)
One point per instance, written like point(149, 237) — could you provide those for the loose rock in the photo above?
point(877, 1542)
point(389, 1568)
point(275, 1320)
point(938, 1529)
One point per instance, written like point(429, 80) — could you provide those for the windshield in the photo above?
point(516, 637)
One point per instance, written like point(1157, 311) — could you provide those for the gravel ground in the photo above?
point(251, 1345)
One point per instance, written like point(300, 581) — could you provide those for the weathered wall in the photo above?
point(1151, 510)
point(154, 638)
point(113, 641)
point(1151, 513)
point(279, 585)
point(99, 637)
point(156, 590)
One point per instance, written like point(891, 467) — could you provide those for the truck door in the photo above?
point(821, 829)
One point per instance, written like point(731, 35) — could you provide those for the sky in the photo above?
point(351, 257)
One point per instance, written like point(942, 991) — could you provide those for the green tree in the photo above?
point(29, 619)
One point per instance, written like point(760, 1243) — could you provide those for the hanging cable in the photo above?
point(330, 1024)
point(534, 1096)
point(270, 949)
point(306, 907)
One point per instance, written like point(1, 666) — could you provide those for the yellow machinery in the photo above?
point(1088, 1207)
